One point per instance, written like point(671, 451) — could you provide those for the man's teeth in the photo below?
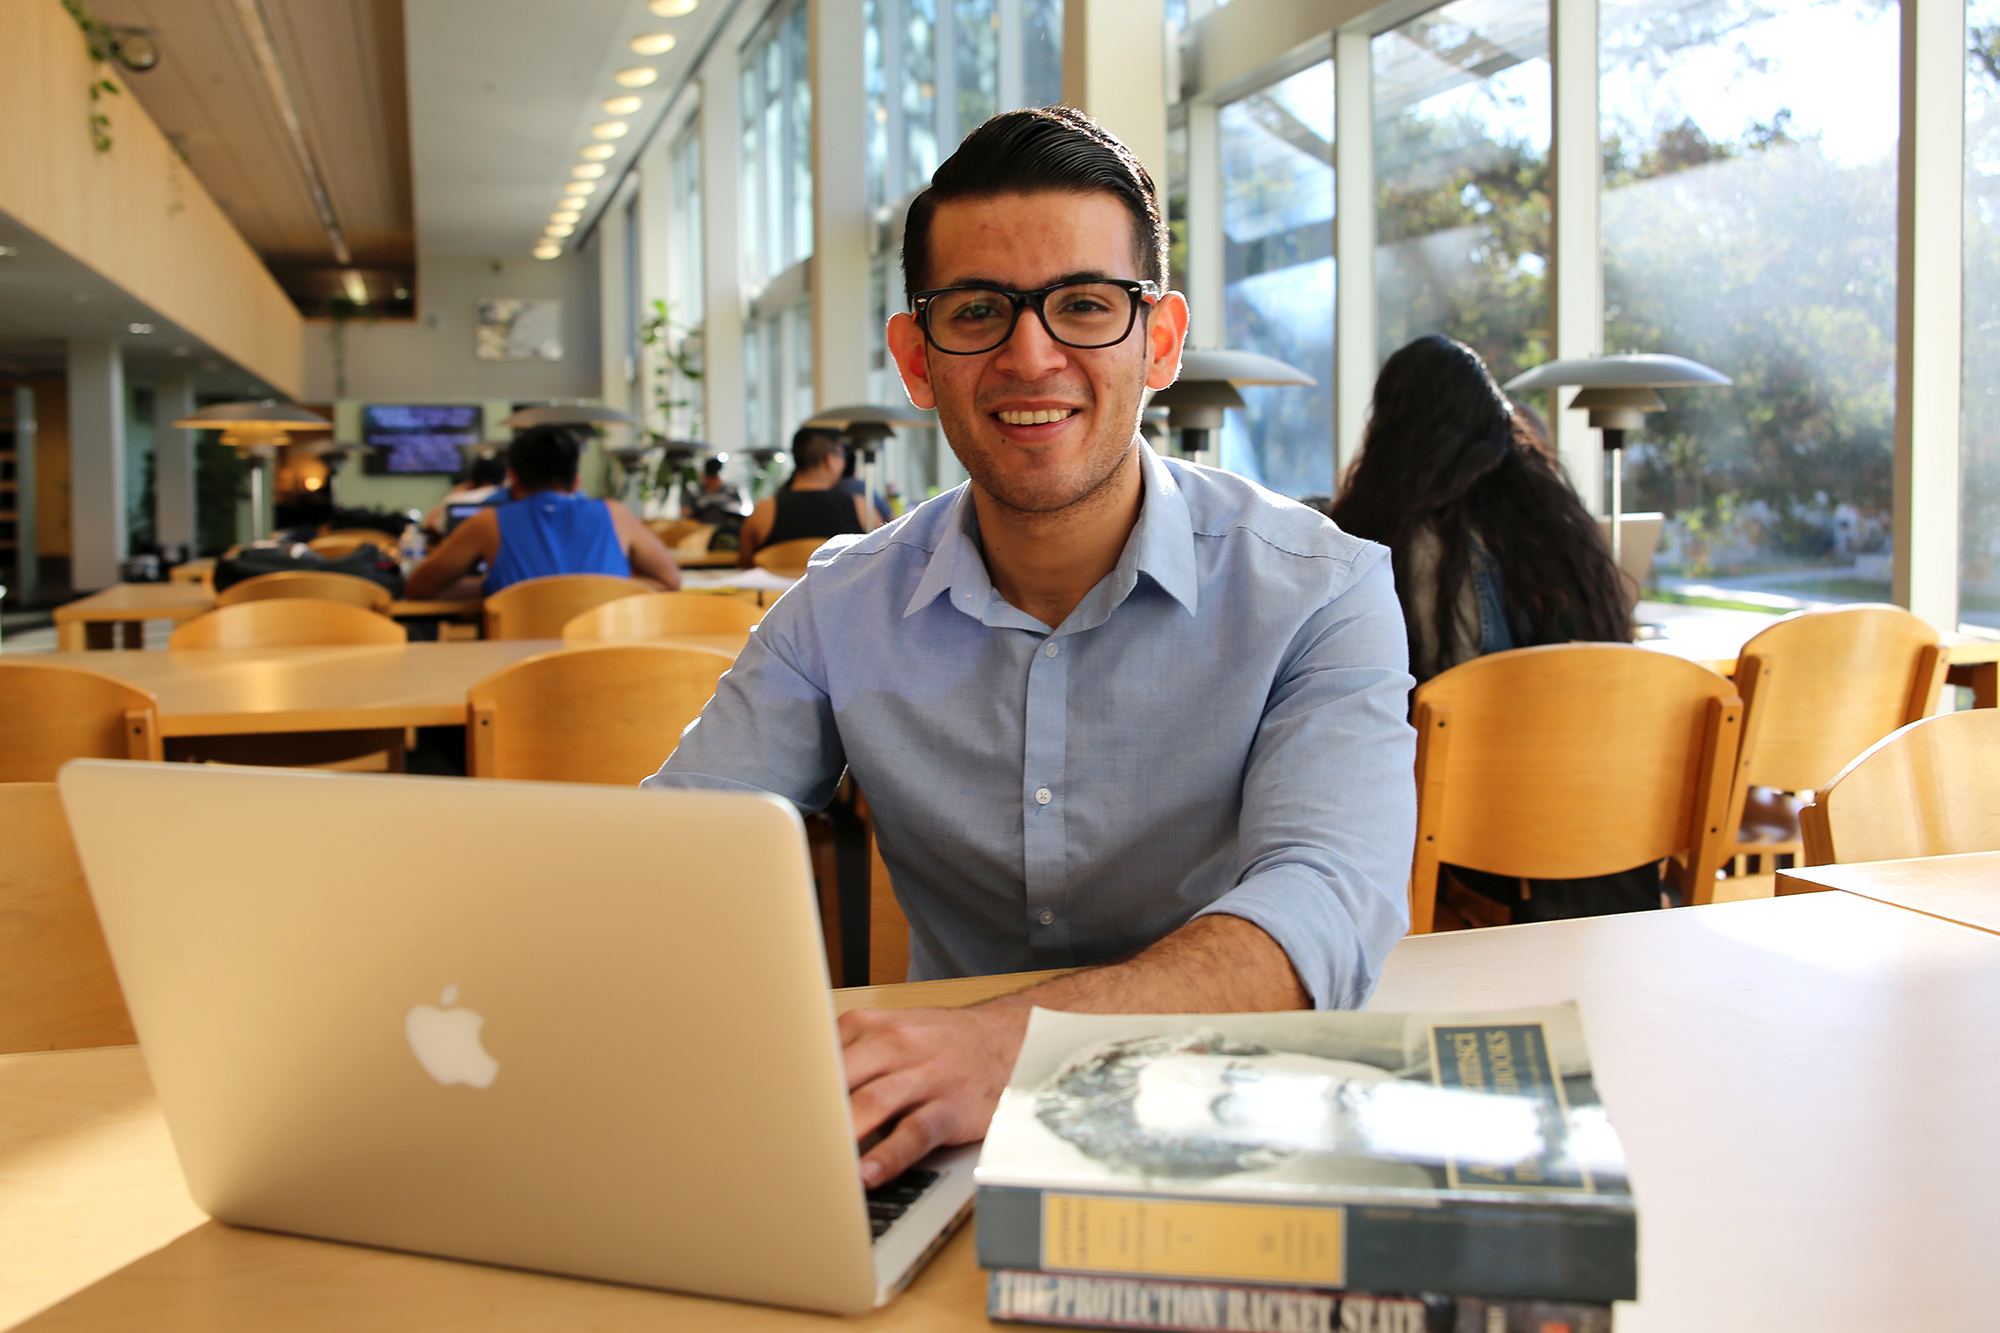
point(1037, 418)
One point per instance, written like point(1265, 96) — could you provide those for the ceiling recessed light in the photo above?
point(639, 76)
point(181, 351)
point(596, 152)
point(9, 251)
point(547, 250)
point(622, 106)
point(653, 44)
point(672, 9)
point(558, 229)
point(138, 328)
point(587, 171)
point(565, 217)
point(580, 187)
point(609, 129)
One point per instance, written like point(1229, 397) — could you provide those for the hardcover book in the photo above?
point(1466, 1154)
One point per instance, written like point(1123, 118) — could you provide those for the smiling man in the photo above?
point(1111, 711)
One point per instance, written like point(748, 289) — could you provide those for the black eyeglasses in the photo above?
point(965, 321)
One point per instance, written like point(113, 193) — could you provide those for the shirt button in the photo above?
point(1046, 917)
point(1050, 649)
point(1043, 796)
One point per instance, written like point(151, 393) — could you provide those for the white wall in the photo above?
point(430, 359)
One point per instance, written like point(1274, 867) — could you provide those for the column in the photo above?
point(97, 462)
point(173, 462)
point(843, 331)
point(722, 257)
point(26, 587)
point(1206, 241)
point(1354, 364)
point(1929, 303)
point(1114, 69)
point(1576, 277)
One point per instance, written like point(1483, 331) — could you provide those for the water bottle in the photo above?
point(411, 547)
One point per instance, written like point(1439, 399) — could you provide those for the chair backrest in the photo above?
point(789, 558)
point(322, 585)
point(287, 622)
point(346, 541)
point(57, 988)
point(661, 615)
point(1572, 760)
point(610, 713)
point(1929, 789)
point(52, 714)
point(683, 535)
point(539, 608)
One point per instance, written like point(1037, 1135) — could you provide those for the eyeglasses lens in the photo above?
point(1082, 314)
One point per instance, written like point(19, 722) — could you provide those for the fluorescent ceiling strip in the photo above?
point(258, 30)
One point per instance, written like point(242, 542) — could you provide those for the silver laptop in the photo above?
point(579, 1029)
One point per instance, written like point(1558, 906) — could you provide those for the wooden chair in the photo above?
point(789, 558)
point(610, 713)
point(661, 615)
point(321, 585)
point(346, 541)
point(52, 714)
point(57, 987)
point(1931, 788)
point(1820, 687)
point(539, 608)
point(1572, 760)
point(683, 536)
point(288, 622)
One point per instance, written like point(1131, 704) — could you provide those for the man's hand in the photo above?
point(938, 1073)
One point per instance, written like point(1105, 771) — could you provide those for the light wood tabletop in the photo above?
point(1964, 889)
point(132, 604)
point(1716, 646)
point(1804, 1087)
point(236, 691)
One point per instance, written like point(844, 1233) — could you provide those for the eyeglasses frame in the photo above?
point(1142, 292)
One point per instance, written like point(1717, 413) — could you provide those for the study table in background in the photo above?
point(1804, 1087)
point(1964, 889)
point(126, 607)
point(1975, 662)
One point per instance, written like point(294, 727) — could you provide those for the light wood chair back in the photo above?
point(1572, 760)
point(346, 541)
point(322, 585)
point(683, 536)
point(52, 714)
point(539, 608)
point(1931, 788)
point(789, 558)
point(286, 622)
point(57, 989)
point(610, 713)
point(661, 615)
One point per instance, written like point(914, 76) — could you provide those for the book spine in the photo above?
point(1499, 1250)
point(1207, 1307)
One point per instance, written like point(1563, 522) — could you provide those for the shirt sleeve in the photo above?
point(1329, 813)
point(770, 726)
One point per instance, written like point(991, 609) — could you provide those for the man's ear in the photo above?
point(1166, 331)
point(912, 358)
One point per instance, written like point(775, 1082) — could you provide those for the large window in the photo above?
point(1979, 587)
point(1277, 222)
point(1749, 217)
point(1462, 123)
point(777, 148)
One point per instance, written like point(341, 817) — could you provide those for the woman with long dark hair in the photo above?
point(1492, 549)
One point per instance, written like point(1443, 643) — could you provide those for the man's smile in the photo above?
point(1037, 418)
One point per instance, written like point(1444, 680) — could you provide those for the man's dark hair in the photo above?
point(712, 468)
point(812, 446)
point(1042, 148)
point(485, 470)
point(544, 458)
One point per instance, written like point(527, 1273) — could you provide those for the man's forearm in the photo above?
point(1213, 964)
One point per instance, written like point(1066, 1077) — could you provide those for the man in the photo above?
point(812, 504)
point(1110, 711)
point(546, 528)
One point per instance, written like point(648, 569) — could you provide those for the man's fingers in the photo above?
point(876, 1103)
point(919, 1132)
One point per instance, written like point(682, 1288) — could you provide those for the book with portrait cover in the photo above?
point(1464, 1154)
point(1072, 1300)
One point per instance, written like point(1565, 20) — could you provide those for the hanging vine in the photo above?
point(100, 41)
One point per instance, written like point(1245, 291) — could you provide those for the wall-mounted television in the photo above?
point(418, 438)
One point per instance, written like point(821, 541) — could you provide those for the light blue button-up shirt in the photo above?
point(1219, 726)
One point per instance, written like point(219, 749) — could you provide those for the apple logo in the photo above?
point(446, 1042)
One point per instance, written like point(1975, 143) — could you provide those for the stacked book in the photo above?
point(1279, 1173)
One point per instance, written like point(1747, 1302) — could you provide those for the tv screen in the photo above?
point(418, 438)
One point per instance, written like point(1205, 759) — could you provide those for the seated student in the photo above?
point(547, 528)
point(1492, 550)
point(484, 481)
point(713, 500)
point(811, 504)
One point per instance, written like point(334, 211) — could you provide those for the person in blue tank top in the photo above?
point(545, 528)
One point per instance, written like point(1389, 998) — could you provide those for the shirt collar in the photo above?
point(1161, 547)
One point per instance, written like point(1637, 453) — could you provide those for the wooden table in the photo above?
point(1804, 1086)
point(236, 691)
point(89, 622)
point(1964, 889)
point(1975, 662)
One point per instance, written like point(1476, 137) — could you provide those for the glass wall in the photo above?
point(1041, 52)
point(1462, 125)
point(1979, 532)
point(1277, 222)
point(1749, 216)
point(777, 148)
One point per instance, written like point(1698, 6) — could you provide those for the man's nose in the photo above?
point(1030, 353)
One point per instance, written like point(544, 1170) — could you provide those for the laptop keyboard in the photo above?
point(888, 1202)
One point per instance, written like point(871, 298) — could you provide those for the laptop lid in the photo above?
point(574, 1028)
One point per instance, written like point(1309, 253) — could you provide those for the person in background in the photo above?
point(812, 504)
point(713, 500)
point(1535, 427)
point(1492, 550)
point(851, 481)
point(546, 529)
point(484, 481)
